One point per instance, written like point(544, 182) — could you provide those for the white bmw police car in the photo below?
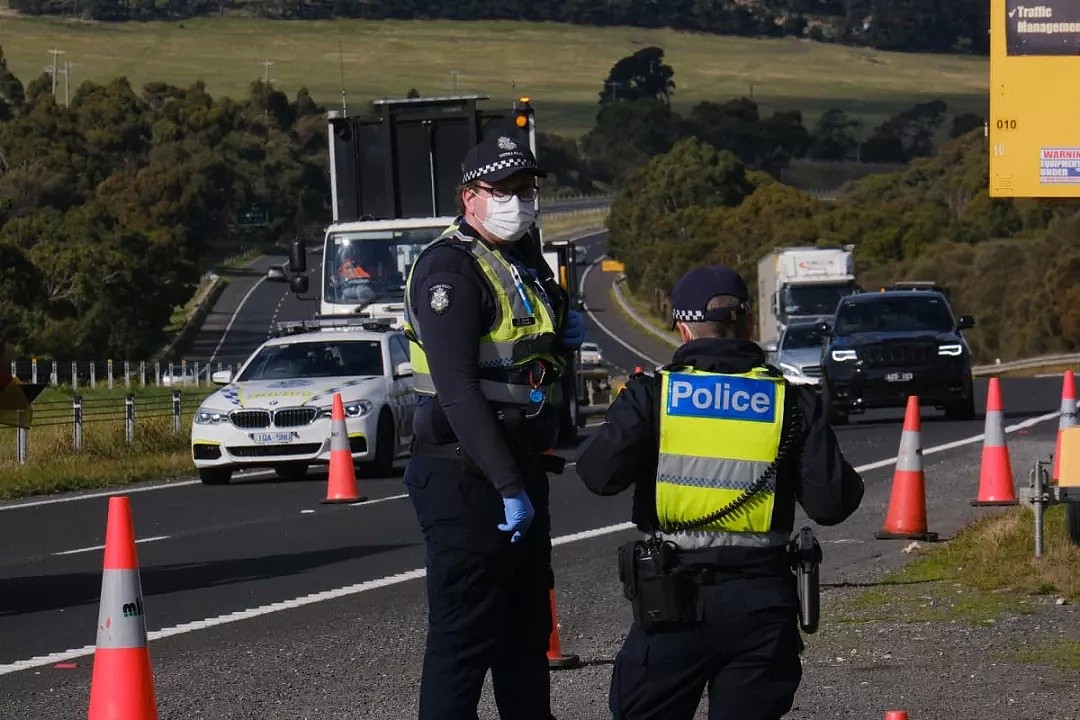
point(276, 412)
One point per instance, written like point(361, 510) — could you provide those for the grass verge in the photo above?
point(105, 459)
point(563, 224)
point(988, 571)
point(560, 66)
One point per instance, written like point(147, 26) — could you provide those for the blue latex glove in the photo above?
point(519, 515)
point(573, 333)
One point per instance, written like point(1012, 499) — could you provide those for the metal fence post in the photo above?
point(77, 423)
point(54, 376)
point(93, 373)
point(183, 372)
point(157, 372)
point(176, 412)
point(14, 370)
point(129, 418)
point(108, 369)
point(197, 378)
point(22, 440)
point(33, 370)
point(127, 373)
point(74, 375)
point(142, 373)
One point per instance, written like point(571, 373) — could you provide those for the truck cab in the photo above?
point(801, 284)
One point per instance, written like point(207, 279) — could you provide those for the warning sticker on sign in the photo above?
point(1059, 165)
point(1050, 27)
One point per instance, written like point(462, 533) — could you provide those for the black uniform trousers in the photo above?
point(488, 602)
point(744, 650)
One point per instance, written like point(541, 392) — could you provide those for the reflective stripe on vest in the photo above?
point(718, 435)
point(523, 329)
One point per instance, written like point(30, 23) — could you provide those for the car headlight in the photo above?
point(951, 350)
point(211, 417)
point(844, 355)
point(356, 409)
point(791, 369)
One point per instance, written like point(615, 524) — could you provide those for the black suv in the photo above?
point(881, 347)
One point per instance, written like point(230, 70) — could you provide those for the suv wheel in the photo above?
point(835, 416)
point(964, 408)
point(383, 464)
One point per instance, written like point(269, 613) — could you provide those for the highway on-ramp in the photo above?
point(263, 603)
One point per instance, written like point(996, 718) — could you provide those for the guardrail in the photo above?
point(1027, 364)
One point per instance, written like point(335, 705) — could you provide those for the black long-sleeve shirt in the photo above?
point(451, 338)
point(625, 451)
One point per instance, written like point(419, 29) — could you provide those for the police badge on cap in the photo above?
point(498, 156)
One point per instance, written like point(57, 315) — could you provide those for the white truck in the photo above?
point(800, 283)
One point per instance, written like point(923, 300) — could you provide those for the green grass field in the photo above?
point(560, 66)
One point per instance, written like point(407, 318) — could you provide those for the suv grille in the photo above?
point(295, 417)
point(891, 354)
point(250, 419)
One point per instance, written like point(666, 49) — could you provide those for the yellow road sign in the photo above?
point(612, 266)
point(1034, 98)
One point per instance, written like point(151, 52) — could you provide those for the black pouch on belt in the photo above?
point(663, 598)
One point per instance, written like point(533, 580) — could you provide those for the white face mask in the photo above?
point(509, 220)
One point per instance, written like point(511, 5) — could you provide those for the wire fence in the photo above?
point(75, 417)
point(118, 373)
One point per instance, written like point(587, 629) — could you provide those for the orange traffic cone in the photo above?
point(995, 475)
point(896, 715)
point(341, 484)
point(906, 516)
point(1068, 417)
point(122, 686)
point(555, 656)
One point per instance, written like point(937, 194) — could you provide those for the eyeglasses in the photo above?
point(501, 195)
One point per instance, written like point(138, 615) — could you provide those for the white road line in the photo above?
point(613, 336)
point(102, 547)
point(43, 660)
point(236, 312)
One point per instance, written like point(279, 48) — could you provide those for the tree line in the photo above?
point(911, 25)
point(1012, 263)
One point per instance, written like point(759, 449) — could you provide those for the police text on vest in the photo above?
point(721, 397)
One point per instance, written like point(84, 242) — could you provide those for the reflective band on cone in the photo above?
point(1068, 417)
point(906, 516)
point(341, 483)
point(995, 474)
point(122, 686)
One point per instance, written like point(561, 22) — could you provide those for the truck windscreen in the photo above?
point(372, 266)
point(803, 300)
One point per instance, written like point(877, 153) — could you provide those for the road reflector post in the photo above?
point(129, 418)
point(176, 411)
point(77, 423)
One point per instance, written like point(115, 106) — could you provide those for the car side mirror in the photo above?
point(221, 377)
point(965, 322)
point(298, 257)
point(403, 370)
point(299, 284)
point(822, 329)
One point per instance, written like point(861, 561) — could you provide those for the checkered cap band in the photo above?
point(688, 315)
point(517, 162)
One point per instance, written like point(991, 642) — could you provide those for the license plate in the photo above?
point(272, 438)
point(899, 377)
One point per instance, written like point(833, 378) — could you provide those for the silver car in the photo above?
point(798, 353)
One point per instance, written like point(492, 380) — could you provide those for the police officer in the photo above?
point(490, 331)
point(718, 448)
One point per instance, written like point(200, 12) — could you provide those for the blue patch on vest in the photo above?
point(721, 397)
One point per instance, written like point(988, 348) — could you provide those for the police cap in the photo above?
point(498, 156)
point(694, 290)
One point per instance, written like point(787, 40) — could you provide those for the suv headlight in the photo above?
point(358, 408)
point(951, 350)
point(211, 417)
point(844, 355)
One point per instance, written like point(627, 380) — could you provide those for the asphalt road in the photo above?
point(262, 602)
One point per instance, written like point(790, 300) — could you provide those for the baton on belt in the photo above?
point(806, 558)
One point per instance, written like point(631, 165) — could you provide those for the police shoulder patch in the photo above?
point(439, 298)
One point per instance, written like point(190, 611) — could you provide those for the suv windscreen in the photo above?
point(316, 359)
point(897, 314)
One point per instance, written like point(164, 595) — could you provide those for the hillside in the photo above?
point(560, 66)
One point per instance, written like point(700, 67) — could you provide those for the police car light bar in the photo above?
point(330, 322)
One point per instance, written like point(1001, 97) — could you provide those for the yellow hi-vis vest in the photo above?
point(718, 435)
point(523, 331)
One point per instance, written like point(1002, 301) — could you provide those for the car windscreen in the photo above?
point(330, 358)
point(900, 314)
point(797, 338)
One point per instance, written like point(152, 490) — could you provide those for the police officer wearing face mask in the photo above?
point(489, 331)
point(718, 448)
